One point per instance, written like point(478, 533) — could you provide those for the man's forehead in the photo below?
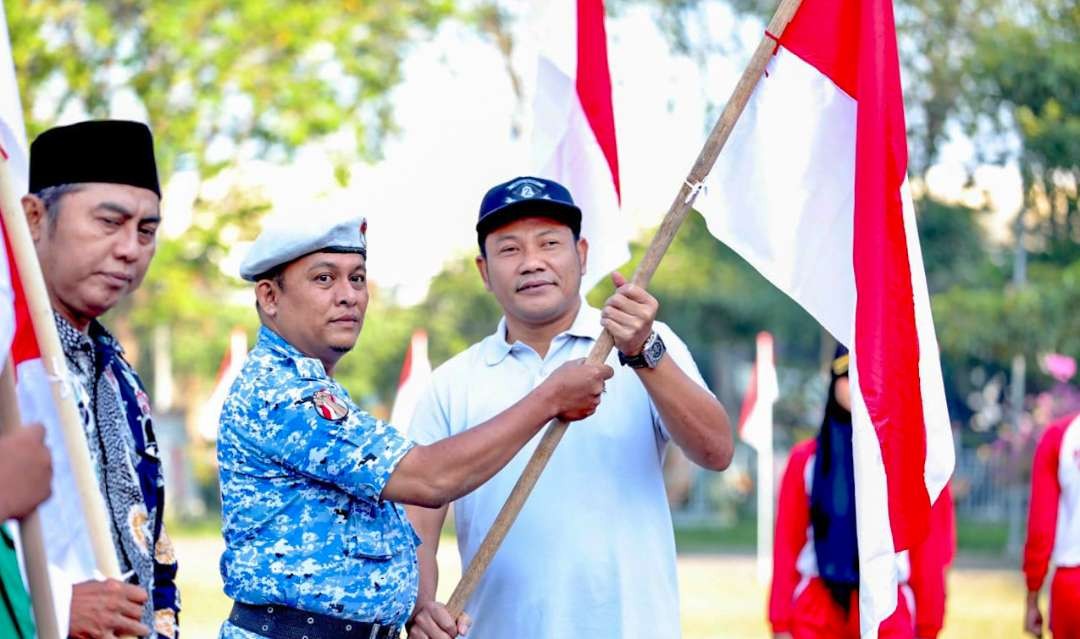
point(135, 199)
point(531, 225)
point(334, 259)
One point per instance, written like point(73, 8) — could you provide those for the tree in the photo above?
point(220, 83)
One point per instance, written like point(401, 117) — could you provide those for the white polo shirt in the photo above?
point(592, 553)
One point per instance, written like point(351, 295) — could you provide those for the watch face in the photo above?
point(655, 351)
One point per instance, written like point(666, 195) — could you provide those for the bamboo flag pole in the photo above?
point(52, 355)
point(30, 533)
point(660, 243)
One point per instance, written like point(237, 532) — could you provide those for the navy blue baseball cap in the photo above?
point(526, 197)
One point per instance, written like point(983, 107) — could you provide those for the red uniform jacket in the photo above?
point(794, 561)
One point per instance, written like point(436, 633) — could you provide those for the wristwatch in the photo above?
point(649, 356)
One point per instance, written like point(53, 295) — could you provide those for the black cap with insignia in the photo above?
point(525, 197)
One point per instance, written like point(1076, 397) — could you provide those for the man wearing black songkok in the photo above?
point(93, 212)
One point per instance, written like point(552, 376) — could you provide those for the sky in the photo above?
point(456, 113)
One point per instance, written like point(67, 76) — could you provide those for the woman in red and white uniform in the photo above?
point(815, 555)
point(1054, 530)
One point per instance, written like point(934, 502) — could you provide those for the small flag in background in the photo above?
point(812, 190)
point(232, 362)
point(415, 377)
point(755, 419)
point(574, 125)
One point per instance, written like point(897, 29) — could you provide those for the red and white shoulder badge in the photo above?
point(329, 406)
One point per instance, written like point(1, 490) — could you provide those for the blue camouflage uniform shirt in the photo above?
point(302, 470)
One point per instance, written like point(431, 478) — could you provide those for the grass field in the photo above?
point(720, 595)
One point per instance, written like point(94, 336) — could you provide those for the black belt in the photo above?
point(282, 622)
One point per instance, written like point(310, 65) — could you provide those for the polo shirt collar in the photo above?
point(586, 325)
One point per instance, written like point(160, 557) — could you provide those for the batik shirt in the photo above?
point(302, 471)
point(115, 412)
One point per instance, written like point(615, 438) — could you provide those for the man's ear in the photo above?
point(583, 252)
point(267, 293)
point(36, 215)
point(481, 265)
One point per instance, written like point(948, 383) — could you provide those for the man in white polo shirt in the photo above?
point(592, 553)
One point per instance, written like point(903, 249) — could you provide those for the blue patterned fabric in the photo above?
point(118, 422)
point(302, 471)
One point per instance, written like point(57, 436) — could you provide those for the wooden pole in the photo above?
point(30, 533)
point(52, 356)
point(660, 243)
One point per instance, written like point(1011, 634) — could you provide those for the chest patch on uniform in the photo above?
point(328, 405)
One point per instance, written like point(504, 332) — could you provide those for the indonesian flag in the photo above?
point(415, 377)
point(232, 362)
point(812, 191)
point(13, 145)
point(756, 417)
point(66, 540)
point(573, 139)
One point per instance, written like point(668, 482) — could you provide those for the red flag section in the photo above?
point(853, 43)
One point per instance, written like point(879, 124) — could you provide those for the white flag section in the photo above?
point(415, 377)
point(231, 364)
point(573, 137)
point(811, 190)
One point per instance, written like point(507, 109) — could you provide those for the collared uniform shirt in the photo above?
point(302, 471)
point(592, 553)
point(116, 415)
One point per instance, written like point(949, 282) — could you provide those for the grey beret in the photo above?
point(282, 243)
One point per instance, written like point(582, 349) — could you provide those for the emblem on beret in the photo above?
point(363, 227)
point(328, 405)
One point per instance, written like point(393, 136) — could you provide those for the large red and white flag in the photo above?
point(414, 379)
point(573, 139)
point(812, 191)
point(756, 417)
point(66, 539)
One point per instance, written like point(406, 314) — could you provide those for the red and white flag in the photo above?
point(812, 191)
point(232, 362)
point(756, 417)
point(415, 377)
point(573, 139)
point(66, 538)
point(13, 143)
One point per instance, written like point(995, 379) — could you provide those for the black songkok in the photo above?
point(110, 151)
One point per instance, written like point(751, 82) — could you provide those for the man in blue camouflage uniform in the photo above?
point(317, 544)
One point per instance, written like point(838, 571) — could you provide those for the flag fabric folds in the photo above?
point(812, 191)
point(573, 139)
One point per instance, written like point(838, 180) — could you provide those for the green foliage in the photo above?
point(260, 77)
point(1026, 74)
point(220, 82)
